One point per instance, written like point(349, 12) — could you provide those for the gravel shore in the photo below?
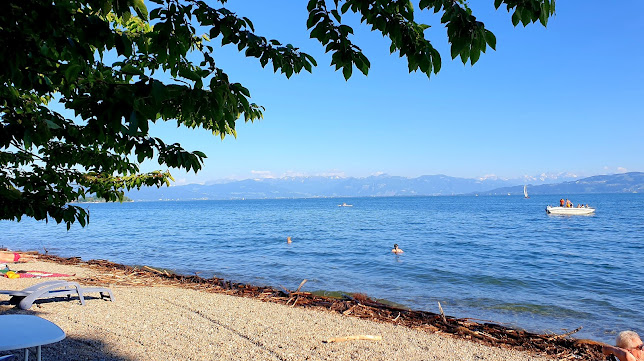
point(172, 323)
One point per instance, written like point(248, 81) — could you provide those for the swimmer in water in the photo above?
point(288, 240)
point(396, 249)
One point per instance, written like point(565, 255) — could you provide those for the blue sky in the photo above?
point(561, 99)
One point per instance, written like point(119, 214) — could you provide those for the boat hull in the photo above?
point(569, 211)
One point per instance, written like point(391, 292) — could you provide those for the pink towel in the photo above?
point(31, 274)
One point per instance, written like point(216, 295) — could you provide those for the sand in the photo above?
point(172, 323)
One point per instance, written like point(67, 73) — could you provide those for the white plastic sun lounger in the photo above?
point(25, 298)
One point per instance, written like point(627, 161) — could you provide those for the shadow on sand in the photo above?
point(71, 348)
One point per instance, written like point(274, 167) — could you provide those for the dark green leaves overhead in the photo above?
point(467, 36)
point(58, 51)
point(394, 19)
point(528, 11)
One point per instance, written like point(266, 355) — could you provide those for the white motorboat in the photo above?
point(569, 211)
point(345, 205)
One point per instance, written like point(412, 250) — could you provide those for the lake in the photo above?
point(496, 258)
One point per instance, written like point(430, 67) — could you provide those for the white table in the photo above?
point(26, 331)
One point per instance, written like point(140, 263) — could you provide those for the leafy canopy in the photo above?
point(57, 51)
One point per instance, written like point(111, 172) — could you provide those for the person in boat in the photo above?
point(568, 203)
point(396, 249)
point(629, 347)
point(15, 257)
point(561, 202)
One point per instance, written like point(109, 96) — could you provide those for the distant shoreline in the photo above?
point(387, 186)
point(555, 197)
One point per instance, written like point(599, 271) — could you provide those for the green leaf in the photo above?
point(490, 38)
point(458, 44)
point(436, 61)
point(51, 124)
point(475, 54)
point(345, 30)
point(346, 71)
point(364, 64)
point(465, 54)
point(72, 72)
point(141, 10)
point(134, 122)
point(336, 15)
point(106, 8)
point(311, 5)
point(516, 18)
point(126, 15)
point(127, 45)
point(545, 13)
point(27, 140)
point(526, 16)
point(131, 69)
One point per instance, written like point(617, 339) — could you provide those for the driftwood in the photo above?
point(357, 337)
point(566, 334)
point(153, 270)
point(355, 305)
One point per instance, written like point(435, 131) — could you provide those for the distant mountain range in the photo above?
point(617, 183)
point(385, 185)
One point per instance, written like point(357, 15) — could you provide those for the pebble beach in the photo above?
point(159, 322)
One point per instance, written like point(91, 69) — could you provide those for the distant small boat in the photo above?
point(345, 205)
point(525, 191)
point(569, 211)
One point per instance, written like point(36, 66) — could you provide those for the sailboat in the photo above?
point(525, 191)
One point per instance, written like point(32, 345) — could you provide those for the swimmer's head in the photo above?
point(395, 245)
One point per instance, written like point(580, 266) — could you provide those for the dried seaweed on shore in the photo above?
point(557, 346)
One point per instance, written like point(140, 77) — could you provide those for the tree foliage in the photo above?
point(103, 61)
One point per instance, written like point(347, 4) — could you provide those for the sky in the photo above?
point(561, 99)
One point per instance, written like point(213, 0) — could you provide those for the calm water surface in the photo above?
point(490, 258)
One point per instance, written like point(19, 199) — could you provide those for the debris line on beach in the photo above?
point(357, 305)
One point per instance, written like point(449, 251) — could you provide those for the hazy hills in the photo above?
point(385, 185)
point(617, 183)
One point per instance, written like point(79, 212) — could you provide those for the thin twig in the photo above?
point(301, 284)
point(357, 337)
point(565, 334)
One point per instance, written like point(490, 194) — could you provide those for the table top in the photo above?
point(23, 331)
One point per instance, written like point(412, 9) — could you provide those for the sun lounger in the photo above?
point(58, 288)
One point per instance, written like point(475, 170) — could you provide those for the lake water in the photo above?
point(491, 258)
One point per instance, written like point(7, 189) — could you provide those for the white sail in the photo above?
point(525, 191)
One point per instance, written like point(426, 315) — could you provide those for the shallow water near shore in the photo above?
point(491, 258)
